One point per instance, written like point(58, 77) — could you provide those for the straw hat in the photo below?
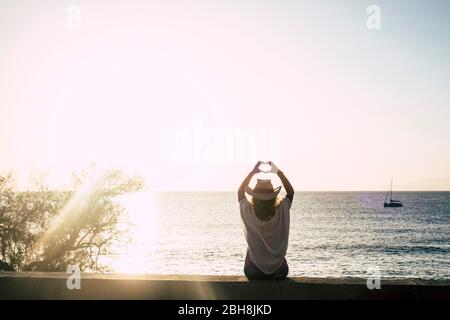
point(263, 190)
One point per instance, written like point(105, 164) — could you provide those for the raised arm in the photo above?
point(241, 190)
point(286, 184)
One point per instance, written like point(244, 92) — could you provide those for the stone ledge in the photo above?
point(41, 285)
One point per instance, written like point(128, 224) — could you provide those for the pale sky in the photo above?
point(190, 94)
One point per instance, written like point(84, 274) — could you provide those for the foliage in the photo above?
point(45, 230)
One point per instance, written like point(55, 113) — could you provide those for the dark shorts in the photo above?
point(252, 272)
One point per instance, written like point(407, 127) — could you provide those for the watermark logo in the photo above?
point(374, 279)
point(200, 145)
point(374, 18)
point(74, 280)
point(73, 20)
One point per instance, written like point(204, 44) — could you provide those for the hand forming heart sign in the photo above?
point(268, 167)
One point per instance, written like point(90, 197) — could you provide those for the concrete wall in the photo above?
point(34, 285)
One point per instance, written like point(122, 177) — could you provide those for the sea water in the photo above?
point(332, 234)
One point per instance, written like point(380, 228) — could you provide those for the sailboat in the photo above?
point(391, 203)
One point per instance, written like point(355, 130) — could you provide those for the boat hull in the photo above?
point(393, 205)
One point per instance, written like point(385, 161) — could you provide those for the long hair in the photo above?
point(265, 209)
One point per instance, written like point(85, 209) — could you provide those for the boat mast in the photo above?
point(390, 197)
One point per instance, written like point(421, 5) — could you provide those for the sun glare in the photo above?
point(144, 232)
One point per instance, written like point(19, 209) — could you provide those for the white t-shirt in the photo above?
point(267, 240)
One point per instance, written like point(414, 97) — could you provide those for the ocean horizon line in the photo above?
point(301, 191)
point(231, 191)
